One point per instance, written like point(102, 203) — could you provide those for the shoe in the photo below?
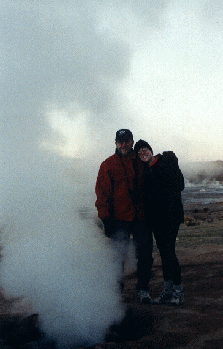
point(144, 297)
point(177, 299)
point(164, 298)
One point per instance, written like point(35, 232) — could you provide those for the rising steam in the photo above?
point(57, 260)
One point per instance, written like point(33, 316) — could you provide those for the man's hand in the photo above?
point(109, 227)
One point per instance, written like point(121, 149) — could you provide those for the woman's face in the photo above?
point(145, 154)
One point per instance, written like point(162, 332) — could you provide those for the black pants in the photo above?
point(166, 241)
point(143, 241)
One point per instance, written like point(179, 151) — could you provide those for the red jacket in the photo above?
point(114, 188)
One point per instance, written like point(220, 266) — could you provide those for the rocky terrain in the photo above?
point(196, 324)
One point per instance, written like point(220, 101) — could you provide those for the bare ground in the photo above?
point(196, 324)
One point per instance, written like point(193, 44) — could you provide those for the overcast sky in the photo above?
point(74, 72)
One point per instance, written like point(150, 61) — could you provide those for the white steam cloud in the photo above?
point(60, 73)
point(56, 259)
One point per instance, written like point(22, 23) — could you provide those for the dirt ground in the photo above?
point(199, 322)
point(196, 324)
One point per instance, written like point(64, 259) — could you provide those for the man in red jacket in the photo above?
point(118, 208)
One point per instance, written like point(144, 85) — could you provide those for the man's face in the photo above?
point(124, 147)
point(145, 154)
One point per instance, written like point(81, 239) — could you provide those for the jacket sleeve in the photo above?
point(103, 190)
point(173, 186)
point(173, 175)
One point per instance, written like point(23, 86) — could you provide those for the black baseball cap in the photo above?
point(123, 135)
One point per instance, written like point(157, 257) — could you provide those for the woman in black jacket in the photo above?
point(160, 185)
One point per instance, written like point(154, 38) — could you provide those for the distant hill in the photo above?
point(196, 172)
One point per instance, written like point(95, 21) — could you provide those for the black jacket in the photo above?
point(163, 184)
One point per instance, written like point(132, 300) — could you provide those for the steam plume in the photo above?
point(61, 264)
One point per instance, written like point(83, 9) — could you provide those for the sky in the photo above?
point(74, 72)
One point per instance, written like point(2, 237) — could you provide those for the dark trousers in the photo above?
point(166, 242)
point(143, 241)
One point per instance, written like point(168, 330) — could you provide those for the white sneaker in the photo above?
point(178, 298)
point(144, 297)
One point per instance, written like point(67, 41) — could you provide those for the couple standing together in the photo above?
point(139, 194)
